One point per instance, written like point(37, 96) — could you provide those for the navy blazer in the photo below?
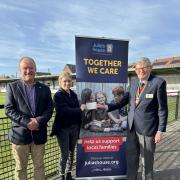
point(151, 113)
point(18, 109)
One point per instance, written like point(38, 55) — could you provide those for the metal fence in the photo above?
point(7, 163)
point(51, 159)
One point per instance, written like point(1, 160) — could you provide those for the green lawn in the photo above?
point(2, 98)
point(2, 101)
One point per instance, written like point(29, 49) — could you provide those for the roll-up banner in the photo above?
point(101, 70)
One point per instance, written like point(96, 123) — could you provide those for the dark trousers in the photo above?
point(140, 145)
point(67, 139)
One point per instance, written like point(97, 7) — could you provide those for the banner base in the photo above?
point(102, 178)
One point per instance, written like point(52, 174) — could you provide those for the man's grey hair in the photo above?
point(27, 58)
point(144, 61)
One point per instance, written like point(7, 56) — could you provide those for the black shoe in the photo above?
point(68, 176)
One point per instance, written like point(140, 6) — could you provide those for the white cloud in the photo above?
point(13, 7)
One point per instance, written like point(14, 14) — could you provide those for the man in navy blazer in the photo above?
point(29, 105)
point(147, 118)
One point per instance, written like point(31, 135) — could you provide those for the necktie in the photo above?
point(141, 86)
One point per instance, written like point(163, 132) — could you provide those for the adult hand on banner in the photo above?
point(83, 107)
point(101, 106)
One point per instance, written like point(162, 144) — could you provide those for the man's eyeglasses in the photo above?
point(142, 68)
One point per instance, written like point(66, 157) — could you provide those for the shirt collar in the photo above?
point(25, 85)
point(144, 81)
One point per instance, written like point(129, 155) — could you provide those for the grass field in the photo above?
point(2, 98)
point(2, 101)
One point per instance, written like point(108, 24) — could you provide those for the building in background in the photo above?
point(70, 68)
point(168, 68)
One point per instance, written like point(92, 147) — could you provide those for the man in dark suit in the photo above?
point(147, 118)
point(29, 105)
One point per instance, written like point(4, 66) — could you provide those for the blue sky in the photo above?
point(46, 29)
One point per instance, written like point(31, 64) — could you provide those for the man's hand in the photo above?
point(33, 124)
point(158, 137)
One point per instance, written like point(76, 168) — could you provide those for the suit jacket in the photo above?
point(18, 109)
point(151, 112)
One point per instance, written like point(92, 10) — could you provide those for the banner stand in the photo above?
point(101, 66)
point(103, 178)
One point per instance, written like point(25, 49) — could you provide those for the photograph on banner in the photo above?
point(100, 122)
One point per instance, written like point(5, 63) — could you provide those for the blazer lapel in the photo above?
point(135, 89)
point(134, 92)
point(37, 94)
point(22, 91)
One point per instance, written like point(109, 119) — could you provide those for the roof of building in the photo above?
point(43, 73)
point(72, 67)
point(166, 61)
point(4, 77)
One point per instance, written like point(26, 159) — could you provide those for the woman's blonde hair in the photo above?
point(64, 75)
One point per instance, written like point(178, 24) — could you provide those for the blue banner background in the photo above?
point(101, 49)
point(100, 170)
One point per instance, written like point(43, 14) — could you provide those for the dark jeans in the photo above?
point(67, 139)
